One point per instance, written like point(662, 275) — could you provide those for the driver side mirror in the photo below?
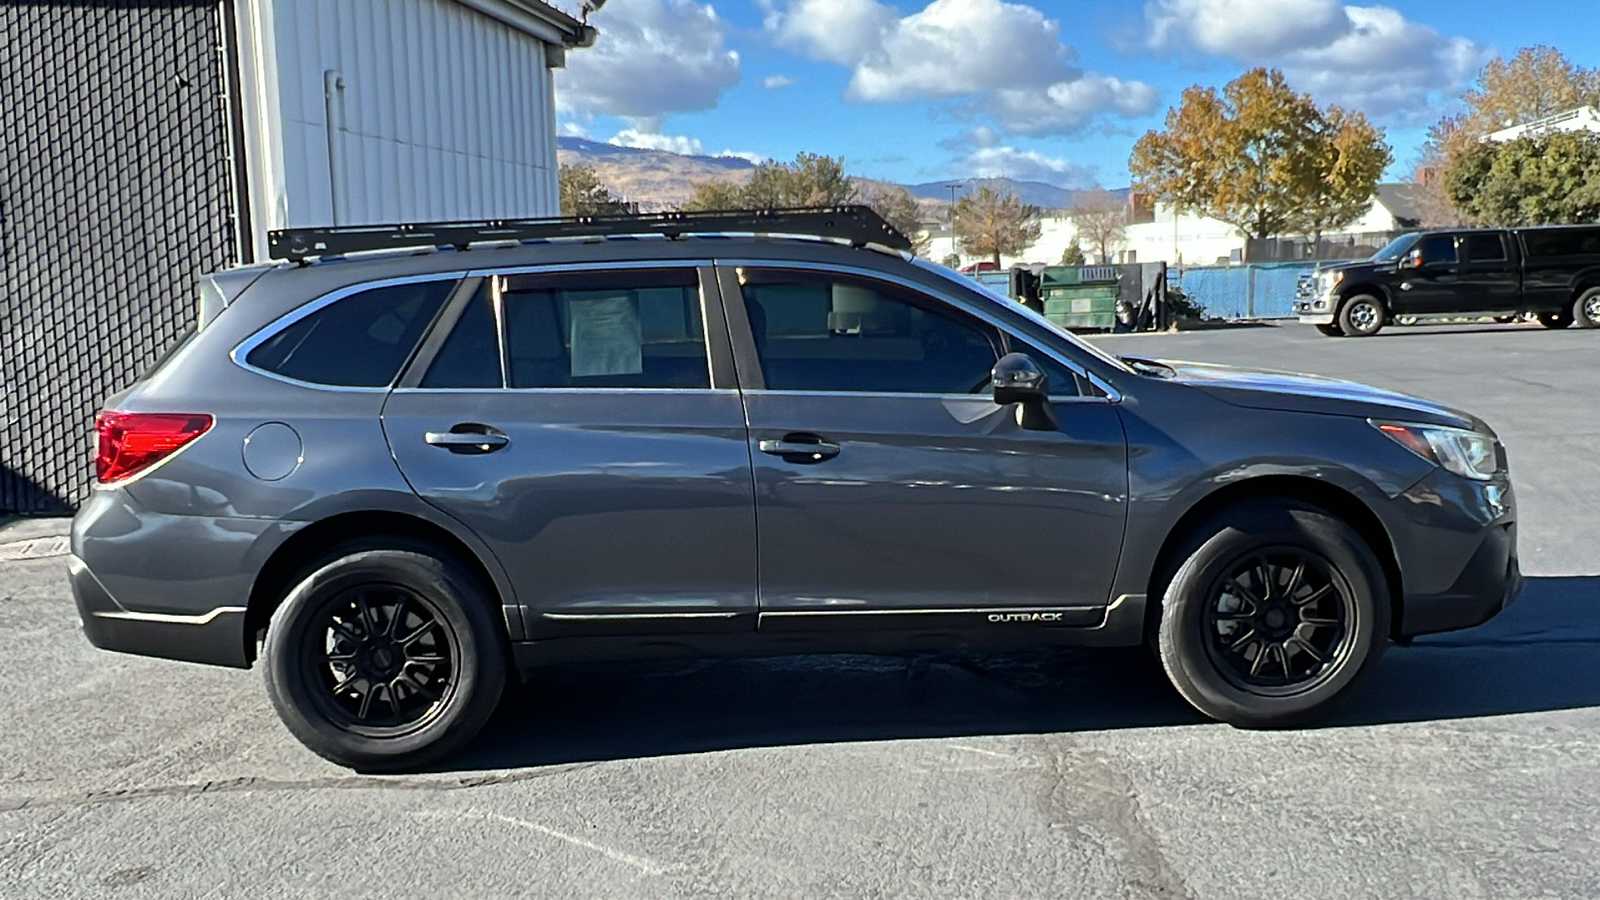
point(1018, 379)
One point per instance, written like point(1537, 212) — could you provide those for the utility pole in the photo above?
point(951, 215)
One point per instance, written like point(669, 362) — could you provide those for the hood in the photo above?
point(1290, 392)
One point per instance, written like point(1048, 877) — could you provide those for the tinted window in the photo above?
point(1562, 242)
point(623, 328)
point(359, 341)
point(819, 332)
point(470, 356)
point(1438, 248)
point(1485, 248)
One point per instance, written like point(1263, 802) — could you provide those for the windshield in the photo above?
point(1396, 248)
point(947, 274)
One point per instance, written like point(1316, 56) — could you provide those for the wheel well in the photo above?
point(1369, 289)
point(324, 540)
point(1588, 284)
point(1334, 500)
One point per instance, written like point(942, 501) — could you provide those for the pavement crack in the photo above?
point(239, 785)
point(1085, 796)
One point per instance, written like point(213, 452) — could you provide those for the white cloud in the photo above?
point(572, 129)
point(1023, 165)
point(1069, 105)
point(652, 57)
point(1244, 29)
point(746, 155)
point(838, 31)
point(649, 140)
point(776, 81)
point(1005, 59)
point(1368, 57)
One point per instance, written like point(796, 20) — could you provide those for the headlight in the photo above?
point(1466, 453)
point(1327, 280)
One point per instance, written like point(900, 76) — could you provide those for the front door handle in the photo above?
point(468, 437)
point(800, 448)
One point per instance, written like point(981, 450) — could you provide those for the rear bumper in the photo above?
point(215, 637)
point(1491, 581)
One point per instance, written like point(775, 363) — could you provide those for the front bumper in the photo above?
point(1491, 581)
point(1314, 312)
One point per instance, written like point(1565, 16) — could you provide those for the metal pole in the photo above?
point(333, 101)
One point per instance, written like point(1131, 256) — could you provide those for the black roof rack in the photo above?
point(859, 225)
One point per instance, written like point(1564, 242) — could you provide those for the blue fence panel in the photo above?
point(1264, 291)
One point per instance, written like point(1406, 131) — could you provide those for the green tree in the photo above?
point(1546, 179)
point(1258, 156)
point(897, 207)
point(706, 196)
point(811, 180)
point(1536, 82)
point(583, 194)
point(1073, 255)
point(1353, 158)
point(989, 223)
point(1101, 218)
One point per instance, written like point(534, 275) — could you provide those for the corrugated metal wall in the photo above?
point(115, 195)
point(448, 114)
point(1263, 291)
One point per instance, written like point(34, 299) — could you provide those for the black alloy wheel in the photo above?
point(386, 658)
point(1278, 621)
point(386, 662)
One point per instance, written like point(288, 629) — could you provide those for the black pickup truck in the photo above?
point(1552, 272)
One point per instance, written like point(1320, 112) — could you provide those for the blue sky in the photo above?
point(1050, 90)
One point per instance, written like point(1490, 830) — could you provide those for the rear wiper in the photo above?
point(1149, 367)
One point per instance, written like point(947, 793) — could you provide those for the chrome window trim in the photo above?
point(271, 329)
point(559, 268)
point(913, 395)
point(586, 391)
point(994, 321)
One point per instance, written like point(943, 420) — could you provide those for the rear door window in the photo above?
point(360, 340)
point(1485, 248)
point(612, 328)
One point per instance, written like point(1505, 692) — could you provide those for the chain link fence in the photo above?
point(114, 196)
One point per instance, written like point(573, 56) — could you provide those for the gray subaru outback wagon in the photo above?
point(395, 477)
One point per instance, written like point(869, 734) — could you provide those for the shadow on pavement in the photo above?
point(1542, 654)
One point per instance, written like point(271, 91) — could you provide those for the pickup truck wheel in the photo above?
point(1275, 613)
point(1586, 311)
point(1555, 319)
point(1362, 316)
point(385, 660)
point(1330, 330)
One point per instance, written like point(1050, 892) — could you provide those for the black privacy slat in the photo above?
point(114, 196)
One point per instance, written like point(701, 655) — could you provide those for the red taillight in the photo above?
point(132, 441)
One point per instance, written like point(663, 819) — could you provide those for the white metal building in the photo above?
point(368, 111)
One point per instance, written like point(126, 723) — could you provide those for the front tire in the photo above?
point(1330, 330)
point(385, 660)
point(1362, 316)
point(1586, 309)
point(1275, 611)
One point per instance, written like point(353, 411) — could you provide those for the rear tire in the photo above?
point(1362, 316)
point(1276, 610)
point(1586, 309)
point(1330, 330)
point(1556, 319)
point(385, 660)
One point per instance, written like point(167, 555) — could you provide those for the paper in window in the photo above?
point(605, 336)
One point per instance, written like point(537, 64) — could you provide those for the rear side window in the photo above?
point(1562, 242)
point(620, 328)
point(357, 341)
point(1485, 248)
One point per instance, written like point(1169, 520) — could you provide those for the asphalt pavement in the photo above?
point(1468, 767)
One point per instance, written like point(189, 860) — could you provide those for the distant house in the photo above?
point(1584, 118)
point(149, 142)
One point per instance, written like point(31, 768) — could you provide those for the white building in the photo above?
point(1584, 118)
point(361, 112)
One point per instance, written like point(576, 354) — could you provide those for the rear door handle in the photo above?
point(468, 437)
point(800, 448)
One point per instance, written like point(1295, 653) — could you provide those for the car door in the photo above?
point(573, 420)
point(891, 490)
point(1489, 280)
point(1430, 281)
